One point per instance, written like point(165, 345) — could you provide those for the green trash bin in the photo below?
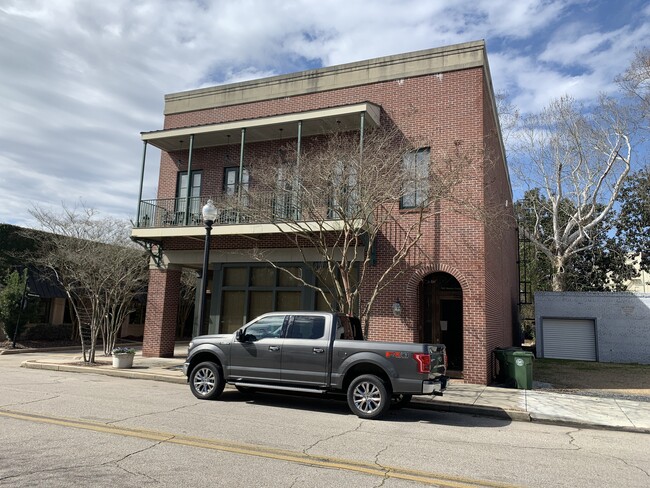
point(506, 372)
point(521, 365)
point(515, 367)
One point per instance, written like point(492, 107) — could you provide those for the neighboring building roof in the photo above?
point(41, 283)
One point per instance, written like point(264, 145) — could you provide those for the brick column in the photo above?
point(162, 310)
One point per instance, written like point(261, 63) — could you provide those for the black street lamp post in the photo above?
point(210, 214)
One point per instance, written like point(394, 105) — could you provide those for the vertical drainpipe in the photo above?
point(241, 169)
point(186, 213)
point(144, 158)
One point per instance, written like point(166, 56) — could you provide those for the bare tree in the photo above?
point(578, 160)
point(339, 197)
point(636, 83)
point(98, 266)
point(187, 298)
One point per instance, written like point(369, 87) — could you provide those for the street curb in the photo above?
point(483, 411)
point(567, 422)
point(121, 373)
point(39, 349)
point(32, 350)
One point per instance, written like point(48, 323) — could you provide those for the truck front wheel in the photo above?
point(206, 381)
point(368, 397)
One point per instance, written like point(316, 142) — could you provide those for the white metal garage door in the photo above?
point(569, 339)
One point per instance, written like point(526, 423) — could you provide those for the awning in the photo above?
point(314, 122)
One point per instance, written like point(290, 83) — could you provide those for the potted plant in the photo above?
point(123, 357)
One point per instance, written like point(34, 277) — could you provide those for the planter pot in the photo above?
point(123, 361)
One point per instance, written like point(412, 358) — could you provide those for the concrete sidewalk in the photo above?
point(518, 405)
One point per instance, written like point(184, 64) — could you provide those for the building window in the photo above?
point(344, 197)
point(231, 191)
point(415, 173)
point(231, 181)
point(250, 291)
point(182, 204)
point(285, 199)
point(42, 315)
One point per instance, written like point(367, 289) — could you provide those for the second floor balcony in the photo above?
point(259, 212)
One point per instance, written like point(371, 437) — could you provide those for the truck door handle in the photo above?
point(274, 348)
point(319, 350)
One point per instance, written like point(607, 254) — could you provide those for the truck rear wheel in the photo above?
point(368, 397)
point(206, 381)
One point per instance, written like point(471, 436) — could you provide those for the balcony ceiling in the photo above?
point(314, 122)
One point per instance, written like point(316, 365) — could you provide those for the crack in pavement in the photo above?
point(333, 436)
point(90, 465)
point(573, 441)
point(29, 402)
point(384, 468)
point(175, 409)
point(631, 465)
point(123, 458)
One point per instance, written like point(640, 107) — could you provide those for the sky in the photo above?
point(80, 79)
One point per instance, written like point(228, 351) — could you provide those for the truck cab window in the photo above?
point(268, 327)
point(304, 327)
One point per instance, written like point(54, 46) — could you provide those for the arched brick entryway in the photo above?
point(441, 306)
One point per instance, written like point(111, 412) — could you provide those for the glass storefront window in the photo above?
point(232, 311)
point(286, 279)
point(260, 302)
point(235, 276)
point(287, 300)
point(263, 276)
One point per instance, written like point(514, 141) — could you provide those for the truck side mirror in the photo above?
point(239, 335)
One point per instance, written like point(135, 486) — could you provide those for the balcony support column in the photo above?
point(144, 158)
point(362, 124)
point(241, 169)
point(186, 217)
point(299, 142)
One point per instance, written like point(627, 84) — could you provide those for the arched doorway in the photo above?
point(442, 315)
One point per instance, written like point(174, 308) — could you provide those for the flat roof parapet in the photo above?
point(387, 68)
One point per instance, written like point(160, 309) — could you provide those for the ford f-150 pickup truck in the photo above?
point(316, 352)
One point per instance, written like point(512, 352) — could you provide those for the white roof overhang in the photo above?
point(314, 122)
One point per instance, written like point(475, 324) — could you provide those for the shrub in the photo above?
point(47, 332)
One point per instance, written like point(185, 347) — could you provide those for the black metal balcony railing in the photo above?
point(257, 208)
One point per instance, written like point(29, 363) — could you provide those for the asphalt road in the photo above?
point(63, 429)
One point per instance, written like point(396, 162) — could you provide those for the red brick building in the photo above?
point(463, 288)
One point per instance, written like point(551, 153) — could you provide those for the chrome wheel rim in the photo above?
point(204, 381)
point(367, 397)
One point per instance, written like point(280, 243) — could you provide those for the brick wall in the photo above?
point(451, 113)
point(162, 308)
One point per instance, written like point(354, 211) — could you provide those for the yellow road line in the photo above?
point(429, 478)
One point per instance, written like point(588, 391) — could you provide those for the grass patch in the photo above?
point(568, 374)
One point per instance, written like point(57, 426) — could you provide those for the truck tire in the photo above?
point(368, 397)
point(206, 381)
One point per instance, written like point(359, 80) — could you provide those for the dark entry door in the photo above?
point(442, 315)
point(451, 320)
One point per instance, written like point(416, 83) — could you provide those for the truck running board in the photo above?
point(277, 387)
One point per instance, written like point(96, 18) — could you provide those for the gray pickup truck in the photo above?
point(316, 352)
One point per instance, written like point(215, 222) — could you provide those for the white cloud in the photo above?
point(80, 80)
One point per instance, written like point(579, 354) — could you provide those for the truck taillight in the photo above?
point(424, 362)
